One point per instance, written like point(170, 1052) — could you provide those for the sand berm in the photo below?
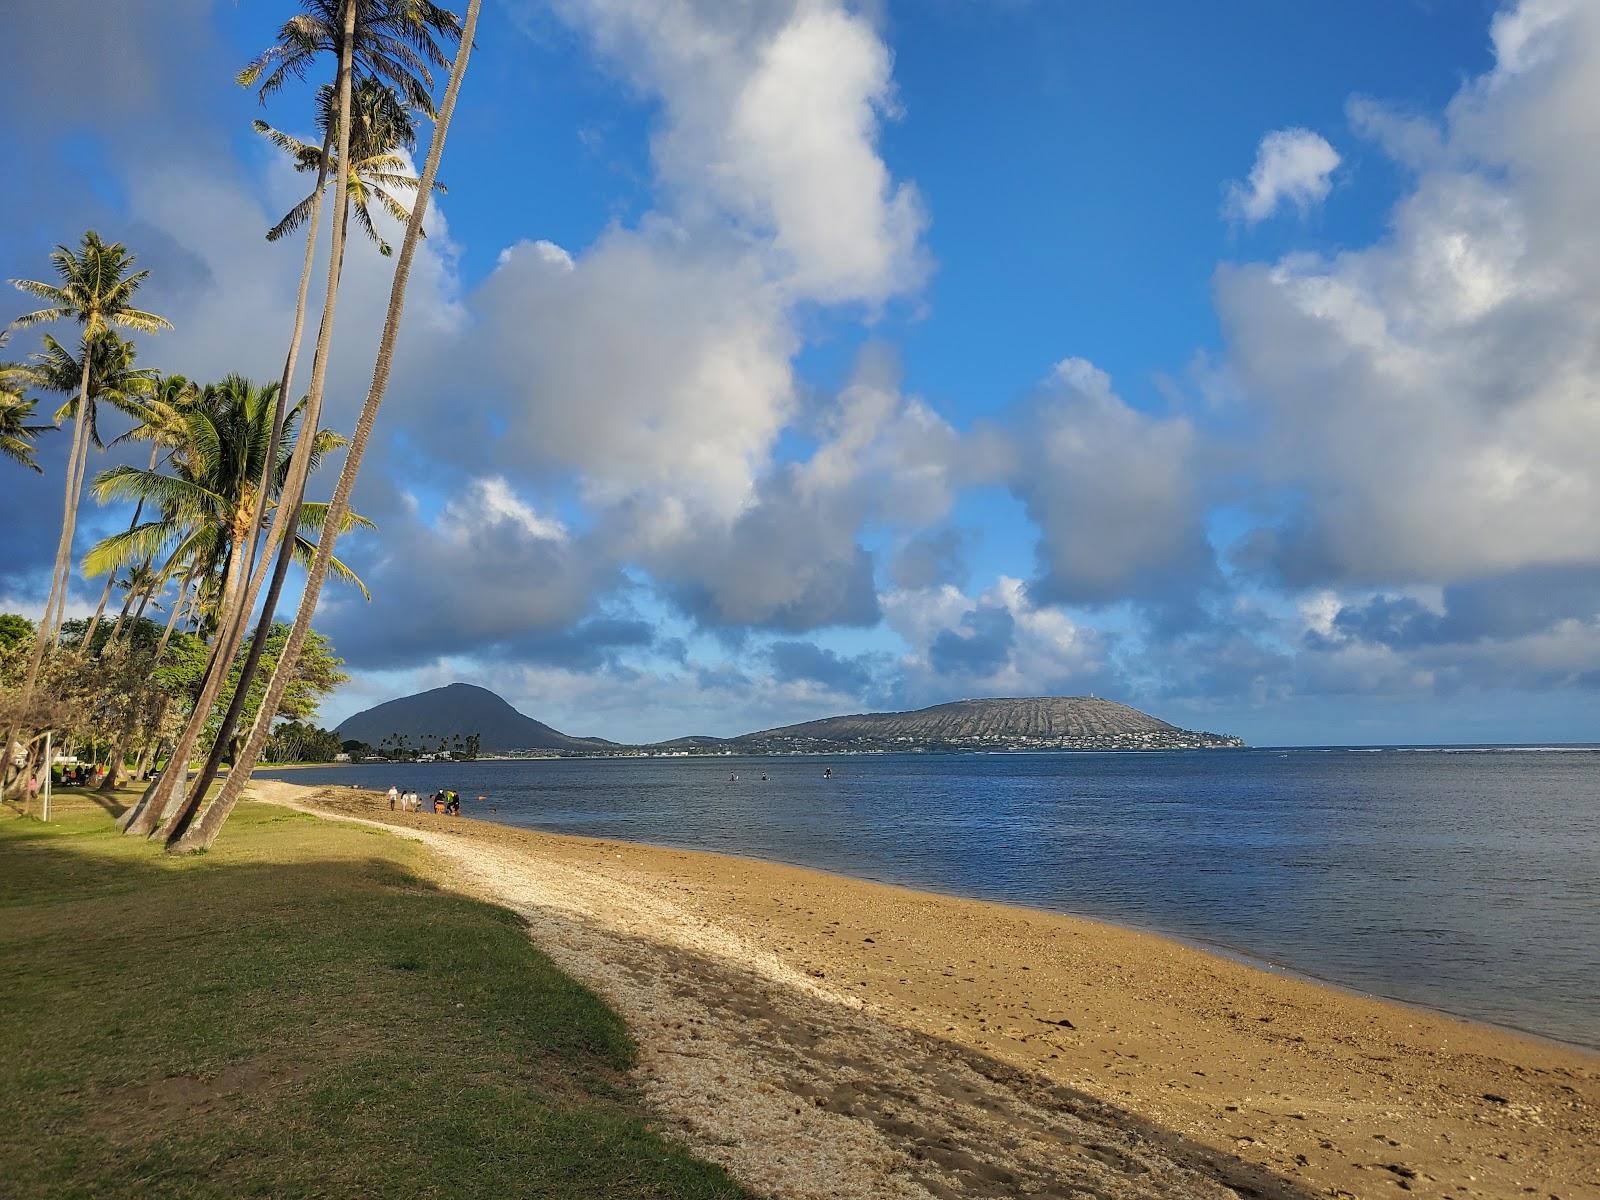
point(825, 1037)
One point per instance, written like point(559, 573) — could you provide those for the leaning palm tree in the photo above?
point(207, 508)
point(206, 829)
point(382, 128)
point(323, 25)
point(393, 41)
point(95, 287)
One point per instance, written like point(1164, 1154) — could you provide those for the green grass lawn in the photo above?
point(299, 1012)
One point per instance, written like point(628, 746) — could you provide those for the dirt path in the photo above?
point(829, 1038)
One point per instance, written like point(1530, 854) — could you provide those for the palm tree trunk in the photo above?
point(78, 468)
point(127, 603)
point(289, 512)
point(291, 359)
point(258, 553)
point(158, 796)
point(172, 620)
point(75, 494)
point(119, 752)
point(111, 576)
point(206, 830)
point(100, 609)
point(286, 519)
point(63, 565)
point(145, 596)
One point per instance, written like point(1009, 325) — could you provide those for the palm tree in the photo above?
point(96, 289)
point(383, 127)
point(216, 815)
point(16, 434)
point(156, 419)
point(323, 25)
point(389, 41)
point(113, 379)
point(207, 511)
point(96, 286)
point(393, 41)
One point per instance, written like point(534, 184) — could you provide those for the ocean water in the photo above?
point(1466, 880)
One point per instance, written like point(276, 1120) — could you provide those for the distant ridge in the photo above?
point(1005, 723)
point(1044, 722)
point(464, 709)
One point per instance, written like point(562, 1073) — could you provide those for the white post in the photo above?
point(47, 772)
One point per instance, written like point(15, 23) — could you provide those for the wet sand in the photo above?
point(827, 1037)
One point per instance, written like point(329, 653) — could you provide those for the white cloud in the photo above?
point(771, 113)
point(646, 366)
point(997, 643)
point(1293, 165)
point(790, 558)
point(1115, 492)
point(1432, 398)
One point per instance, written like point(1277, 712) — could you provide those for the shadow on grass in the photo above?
point(297, 1013)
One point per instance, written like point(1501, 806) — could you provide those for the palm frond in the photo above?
point(305, 551)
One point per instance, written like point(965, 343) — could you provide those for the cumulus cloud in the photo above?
point(931, 559)
point(1431, 397)
point(849, 675)
point(791, 558)
point(487, 572)
point(1115, 492)
point(997, 643)
point(1292, 166)
point(647, 365)
point(771, 114)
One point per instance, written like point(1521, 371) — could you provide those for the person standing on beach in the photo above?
point(394, 797)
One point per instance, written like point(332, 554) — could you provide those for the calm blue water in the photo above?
point(1467, 881)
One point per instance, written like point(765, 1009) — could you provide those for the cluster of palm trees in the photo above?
point(225, 488)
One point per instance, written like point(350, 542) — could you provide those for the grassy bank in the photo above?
point(300, 1012)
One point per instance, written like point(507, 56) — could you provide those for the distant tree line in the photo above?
point(401, 747)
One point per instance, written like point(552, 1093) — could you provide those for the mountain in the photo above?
point(1027, 723)
point(464, 709)
point(1041, 722)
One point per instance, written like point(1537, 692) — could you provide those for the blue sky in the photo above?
point(1230, 360)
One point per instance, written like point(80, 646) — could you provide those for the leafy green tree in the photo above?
point(14, 628)
point(299, 741)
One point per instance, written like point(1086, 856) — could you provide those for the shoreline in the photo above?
point(1231, 1066)
point(1198, 943)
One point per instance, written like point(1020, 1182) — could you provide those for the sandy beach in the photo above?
point(826, 1037)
